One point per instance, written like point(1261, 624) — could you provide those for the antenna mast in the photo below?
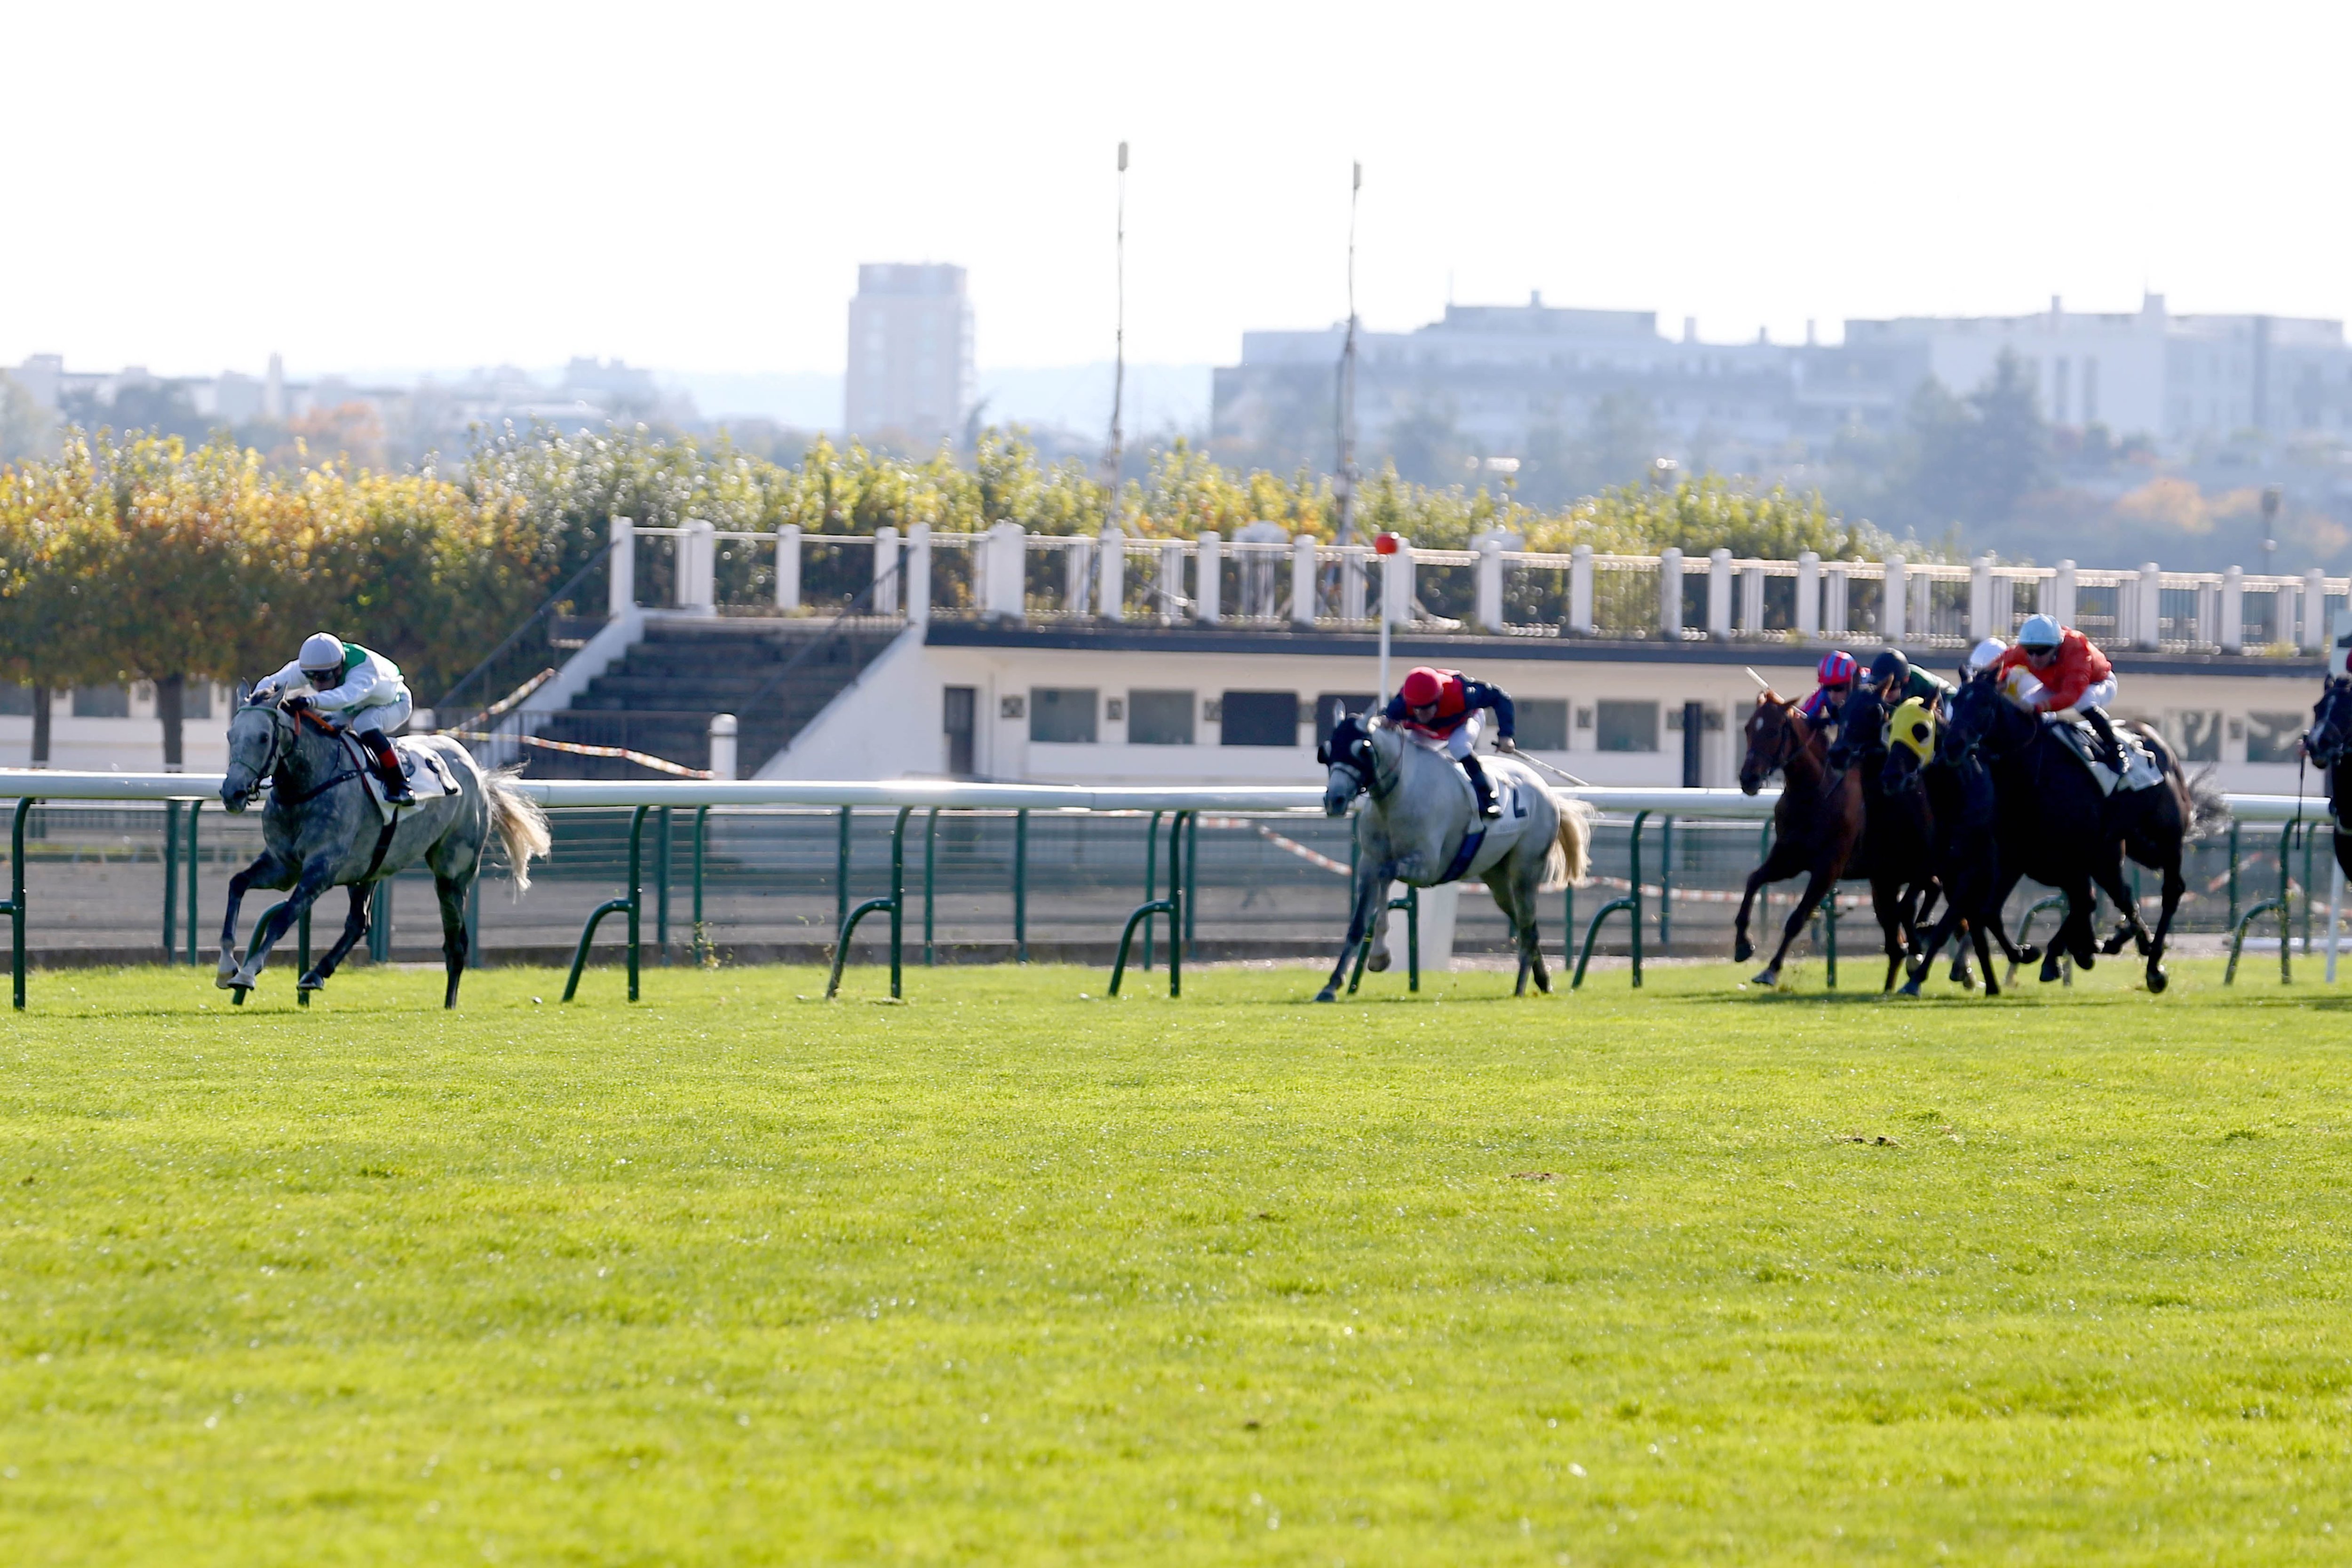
point(1346, 482)
point(1119, 359)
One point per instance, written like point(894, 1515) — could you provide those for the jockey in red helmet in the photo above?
point(1446, 704)
point(1835, 677)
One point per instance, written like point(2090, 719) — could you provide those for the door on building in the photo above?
point(963, 703)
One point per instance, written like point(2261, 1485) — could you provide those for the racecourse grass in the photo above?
point(1012, 1273)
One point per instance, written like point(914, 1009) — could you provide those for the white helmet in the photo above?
point(322, 650)
point(2039, 631)
point(1985, 654)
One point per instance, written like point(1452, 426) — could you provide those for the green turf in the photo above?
point(1012, 1273)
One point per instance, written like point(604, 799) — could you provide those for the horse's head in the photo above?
point(1911, 740)
point(259, 737)
point(2330, 735)
point(1980, 712)
point(1354, 766)
point(1861, 723)
point(1776, 732)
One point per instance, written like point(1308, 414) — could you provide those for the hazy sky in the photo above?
point(692, 186)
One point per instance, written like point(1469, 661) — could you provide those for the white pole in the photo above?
point(2335, 914)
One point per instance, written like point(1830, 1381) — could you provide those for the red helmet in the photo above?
point(1423, 687)
point(1837, 668)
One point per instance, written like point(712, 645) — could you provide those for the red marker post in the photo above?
point(1384, 545)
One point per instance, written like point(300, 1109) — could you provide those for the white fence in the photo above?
point(1261, 578)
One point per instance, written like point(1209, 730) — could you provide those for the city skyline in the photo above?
point(1747, 170)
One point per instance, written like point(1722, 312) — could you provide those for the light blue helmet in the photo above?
point(2038, 632)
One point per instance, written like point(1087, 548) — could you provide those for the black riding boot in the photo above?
point(387, 767)
point(1480, 787)
point(2106, 733)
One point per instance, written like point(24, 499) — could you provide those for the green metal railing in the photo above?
point(1172, 906)
point(2283, 905)
point(631, 906)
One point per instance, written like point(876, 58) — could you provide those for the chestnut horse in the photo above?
point(1816, 826)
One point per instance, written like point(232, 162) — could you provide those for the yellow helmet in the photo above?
point(1913, 727)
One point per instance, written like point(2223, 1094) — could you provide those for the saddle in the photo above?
point(427, 775)
point(2140, 769)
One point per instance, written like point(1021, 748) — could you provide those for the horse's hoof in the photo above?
point(2029, 953)
point(2049, 968)
point(1911, 988)
point(1769, 978)
point(2158, 979)
point(1327, 994)
point(313, 981)
point(227, 982)
point(1378, 963)
point(1742, 951)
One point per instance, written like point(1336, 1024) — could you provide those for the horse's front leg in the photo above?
point(355, 926)
point(1371, 881)
point(1778, 866)
point(272, 870)
point(1821, 884)
point(318, 875)
point(1887, 902)
point(455, 945)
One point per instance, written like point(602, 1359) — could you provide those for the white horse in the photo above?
point(1419, 812)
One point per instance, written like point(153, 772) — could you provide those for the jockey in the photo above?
point(1445, 704)
point(356, 690)
point(2072, 675)
point(1827, 703)
point(1895, 680)
point(1986, 654)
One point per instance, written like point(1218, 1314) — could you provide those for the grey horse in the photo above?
point(322, 829)
point(1418, 812)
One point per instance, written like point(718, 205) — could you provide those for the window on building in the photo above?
point(2196, 735)
point(1258, 719)
point(196, 699)
point(1626, 727)
point(102, 702)
point(2272, 737)
point(1063, 713)
point(2090, 390)
point(1159, 718)
point(16, 701)
point(1542, 723)
point(1327, 702)
point(957, 718)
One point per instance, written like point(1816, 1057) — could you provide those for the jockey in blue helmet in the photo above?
point(354, 688)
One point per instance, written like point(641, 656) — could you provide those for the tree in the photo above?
point(26, 429)
point(1971, 461)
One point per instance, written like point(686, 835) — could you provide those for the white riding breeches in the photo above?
point(1463, 740)
point(2099, 695)
point(386, 717)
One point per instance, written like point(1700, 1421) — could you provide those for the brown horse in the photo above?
point(1816, 826)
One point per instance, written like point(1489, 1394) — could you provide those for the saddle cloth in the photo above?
point(1502, 832)
point(2140, 772)
point(427, 775)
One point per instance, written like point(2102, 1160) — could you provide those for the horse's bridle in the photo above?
point(1367, 774)
point(1789, 745)
point(2329, 714)
point(282, 727)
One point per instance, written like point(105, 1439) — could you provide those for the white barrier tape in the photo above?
point(576, 749)
point(1289, 845)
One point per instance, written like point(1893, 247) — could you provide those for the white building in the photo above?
point(911, 372)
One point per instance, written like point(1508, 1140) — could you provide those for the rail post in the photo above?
point(661, 883)
point(1021, 886)
point(2234, 873)
point(1829, 937)
point(1410, 905)
point(171, 878)
point(1172, 906)
point(632, 906)
point(930, 842)
point(1632, 903)
point(1667, 881)
point(841, 872)
point(701, 940)
point(1192, 879)
point(15, 908)
point(196, 807)
point(896, 903)
point(2284, 905)
point(1150, 889)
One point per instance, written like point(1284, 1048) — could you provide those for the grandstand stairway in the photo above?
point(660, 697)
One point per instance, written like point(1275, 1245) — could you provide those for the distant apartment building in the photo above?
point(1509, 377)
point(911, 375)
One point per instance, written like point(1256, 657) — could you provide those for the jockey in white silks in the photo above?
point(354, 688)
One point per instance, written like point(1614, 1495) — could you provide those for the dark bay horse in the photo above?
point(1950, 804)
point(322, 829)
point(2329, 743)
point(1816, 826)
point(2054, 825)
point(1897, 841)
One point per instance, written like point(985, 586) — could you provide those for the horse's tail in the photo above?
point(521, 826)
point(1569, 861)
point(2208, 808)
